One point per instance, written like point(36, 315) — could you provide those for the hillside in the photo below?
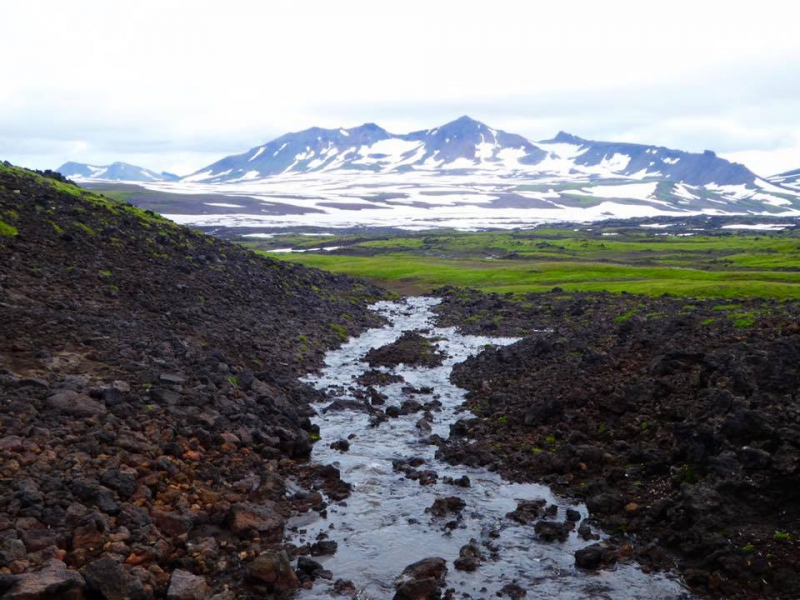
point(149, 397)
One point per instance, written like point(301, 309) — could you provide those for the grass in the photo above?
point(719, 264)
point(414, 273)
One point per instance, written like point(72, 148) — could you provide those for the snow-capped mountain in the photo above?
point(463, 174)
point(639, 161)
point(790, 179)
point(466, 146)
point(118, 171)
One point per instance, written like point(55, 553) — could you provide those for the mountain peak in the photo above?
point(368, 127)
point(464, 122)
point(562, 137)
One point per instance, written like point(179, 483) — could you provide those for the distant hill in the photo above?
point(789, 179)
point(118, 171)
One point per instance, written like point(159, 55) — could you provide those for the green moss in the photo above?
point(339, 330)
point(781, 536)
point(624, 317)
point(7, 230)
point(233, 381)
point(83, 227)
point(104, 273)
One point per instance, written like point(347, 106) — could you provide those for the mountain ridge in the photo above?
point(465, 145)
point(116, 171)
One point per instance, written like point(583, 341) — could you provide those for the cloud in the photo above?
point(176, 85)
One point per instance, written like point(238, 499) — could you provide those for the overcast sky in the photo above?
point(174, 85)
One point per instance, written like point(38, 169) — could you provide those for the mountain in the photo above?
point(149, 391)
point(790, 179)
point(639, 161)
point(461, 145)
point(118, 171)
point(466, 146)
point(466, 174)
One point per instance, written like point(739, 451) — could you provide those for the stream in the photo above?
point(383, 526)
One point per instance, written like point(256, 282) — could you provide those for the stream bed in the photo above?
point(383, 526)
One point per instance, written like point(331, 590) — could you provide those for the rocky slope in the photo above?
point(676, 421)
point(150, 410)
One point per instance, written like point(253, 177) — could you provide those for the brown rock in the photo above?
point(274, 570)
point(247, 518)
point(422, 580)
point(186, 586)
point(54, 580)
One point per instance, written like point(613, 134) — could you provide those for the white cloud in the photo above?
point(175, 83)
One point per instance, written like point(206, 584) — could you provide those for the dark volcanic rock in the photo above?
point(148, 384)
point(422, 580)
point(53, 580)
point(186, 586)
point(443, 506)
point(411, 348)
point(674, 420)
point(110, 579)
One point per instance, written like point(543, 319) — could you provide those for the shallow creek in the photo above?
point(383, 526)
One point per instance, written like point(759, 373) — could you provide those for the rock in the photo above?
point(513, 591)
point(108, 578)
point(410, 348)
point(53, 581)
point(187, 586)
point(75, 404)
point(247, 518)
point(573, 515)
point(39, 539)
point(324, 548)
point(172, 524)
point(422, 580)
point(423, 425)
point(443, 506)
point(273, 570)
point(344, 587)
point(341, 445)
point(550, 531)
point(308, 566)
point(469, 557)
point(123, 483)
point(592, 557)
point(341, 405)
point(527, 511)
point(171, 378)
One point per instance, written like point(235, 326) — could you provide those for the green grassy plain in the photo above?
point(719, 264)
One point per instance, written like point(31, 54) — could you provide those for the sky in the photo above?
point(177, 85)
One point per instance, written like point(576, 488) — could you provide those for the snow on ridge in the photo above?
point(258, 153)
point(634, 191)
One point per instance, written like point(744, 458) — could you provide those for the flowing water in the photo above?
point(383, 526)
